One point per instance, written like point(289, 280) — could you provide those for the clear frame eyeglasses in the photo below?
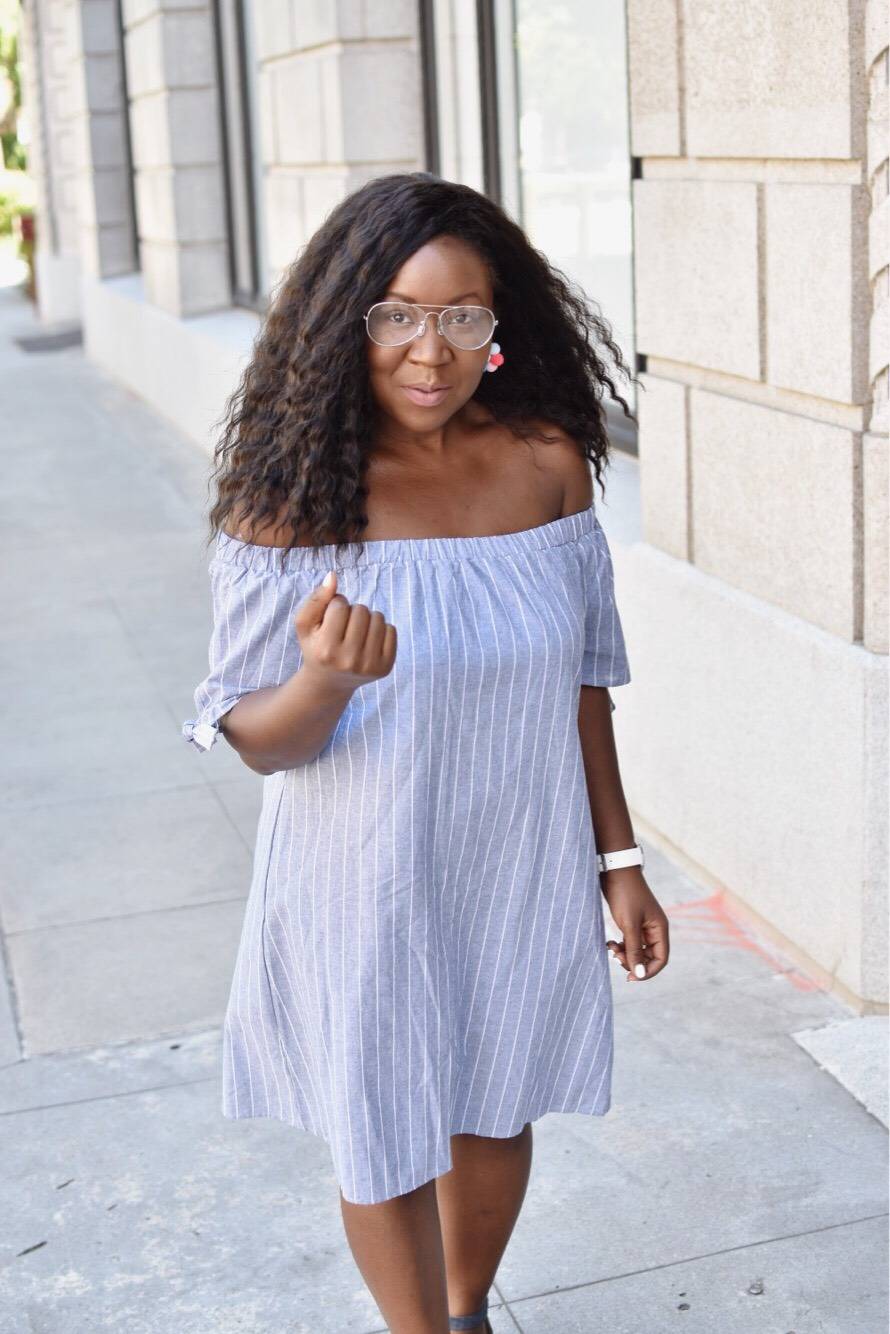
point(394, 323)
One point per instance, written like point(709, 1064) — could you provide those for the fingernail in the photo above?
point(328, 579)
point(639, 970)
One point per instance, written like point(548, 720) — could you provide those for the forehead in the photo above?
point(441, 272)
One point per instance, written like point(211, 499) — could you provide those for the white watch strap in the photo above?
point(611, 861)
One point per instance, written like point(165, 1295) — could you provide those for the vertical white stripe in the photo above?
point(409, 1010)
point(396, 732)
point(433, 901)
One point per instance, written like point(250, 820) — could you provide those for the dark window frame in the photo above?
point(250, 297)
point(488, 100)
point(128, 140)
point(429, 87)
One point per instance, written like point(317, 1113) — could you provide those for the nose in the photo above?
point(429, 346)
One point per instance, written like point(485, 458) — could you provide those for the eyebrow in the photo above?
point(411, 302)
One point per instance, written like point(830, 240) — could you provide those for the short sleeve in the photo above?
point(605, 661)
point(252, 642)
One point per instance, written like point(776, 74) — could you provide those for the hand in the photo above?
point(640, 916)
point(347, 645)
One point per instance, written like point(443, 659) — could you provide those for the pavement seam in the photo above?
point(7, 981)
point(122, 917)
point(105, 1097)
point(694, 1259)
point(14, 809)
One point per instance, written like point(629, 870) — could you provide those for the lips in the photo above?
point(427, 398)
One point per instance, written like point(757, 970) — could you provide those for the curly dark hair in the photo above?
point(297, 431)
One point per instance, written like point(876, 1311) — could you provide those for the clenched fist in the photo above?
point(346, 644)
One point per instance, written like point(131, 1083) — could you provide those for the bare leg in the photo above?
point(397, 1246)
point(479, 1203)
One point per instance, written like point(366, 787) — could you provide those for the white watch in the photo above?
point(611, 861)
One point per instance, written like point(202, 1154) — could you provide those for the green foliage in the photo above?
point(14, 156)
point(9, 207)
point(9, 61)
point(12, 151)
point(16, 199)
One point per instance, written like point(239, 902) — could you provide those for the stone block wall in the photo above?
point(755, 745)
point(340, 103)
point(756, 285)
point(74, 89)
point(876, 311)
point(177, 154)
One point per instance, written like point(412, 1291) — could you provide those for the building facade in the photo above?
point(716, 178)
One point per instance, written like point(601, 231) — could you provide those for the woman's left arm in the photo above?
point(633, 906)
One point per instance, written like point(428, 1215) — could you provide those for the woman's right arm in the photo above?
point(280, 727)
point(278, 682)
point(342, 646)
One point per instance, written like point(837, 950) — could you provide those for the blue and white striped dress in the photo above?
point(423, 947)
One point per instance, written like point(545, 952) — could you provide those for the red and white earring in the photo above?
point(495, 358)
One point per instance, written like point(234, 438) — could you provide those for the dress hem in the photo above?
point(424, 1175)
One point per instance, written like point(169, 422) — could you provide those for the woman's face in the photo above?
point(444, 272)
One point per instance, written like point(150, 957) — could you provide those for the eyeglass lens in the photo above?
point(394, 322)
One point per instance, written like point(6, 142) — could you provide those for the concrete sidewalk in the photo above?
point(733, 1188)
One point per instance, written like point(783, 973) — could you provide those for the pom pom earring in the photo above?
point(495, 359)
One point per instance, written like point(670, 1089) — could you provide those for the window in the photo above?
point(235, 64)
point(574, 162)
point(529, 103)
point(450, 41)
point(132, 228)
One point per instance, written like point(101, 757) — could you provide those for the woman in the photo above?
point(414, 632)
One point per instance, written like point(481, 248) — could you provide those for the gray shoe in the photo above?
point(472, 1320)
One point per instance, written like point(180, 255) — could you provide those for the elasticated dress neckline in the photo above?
point(379, 551)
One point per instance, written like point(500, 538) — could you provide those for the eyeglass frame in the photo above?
point(422, 330)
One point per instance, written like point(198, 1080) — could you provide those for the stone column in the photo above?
point(177, 156)
point(761, 312)
point(874, 444)
point(876, 476)
point(99, 124)
point(327, 125)
point(49, 52)
point(72, 63)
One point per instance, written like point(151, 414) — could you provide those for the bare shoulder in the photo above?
point(564, 458)
point(275, 532)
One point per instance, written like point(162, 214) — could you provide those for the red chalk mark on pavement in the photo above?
point(711, 922)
